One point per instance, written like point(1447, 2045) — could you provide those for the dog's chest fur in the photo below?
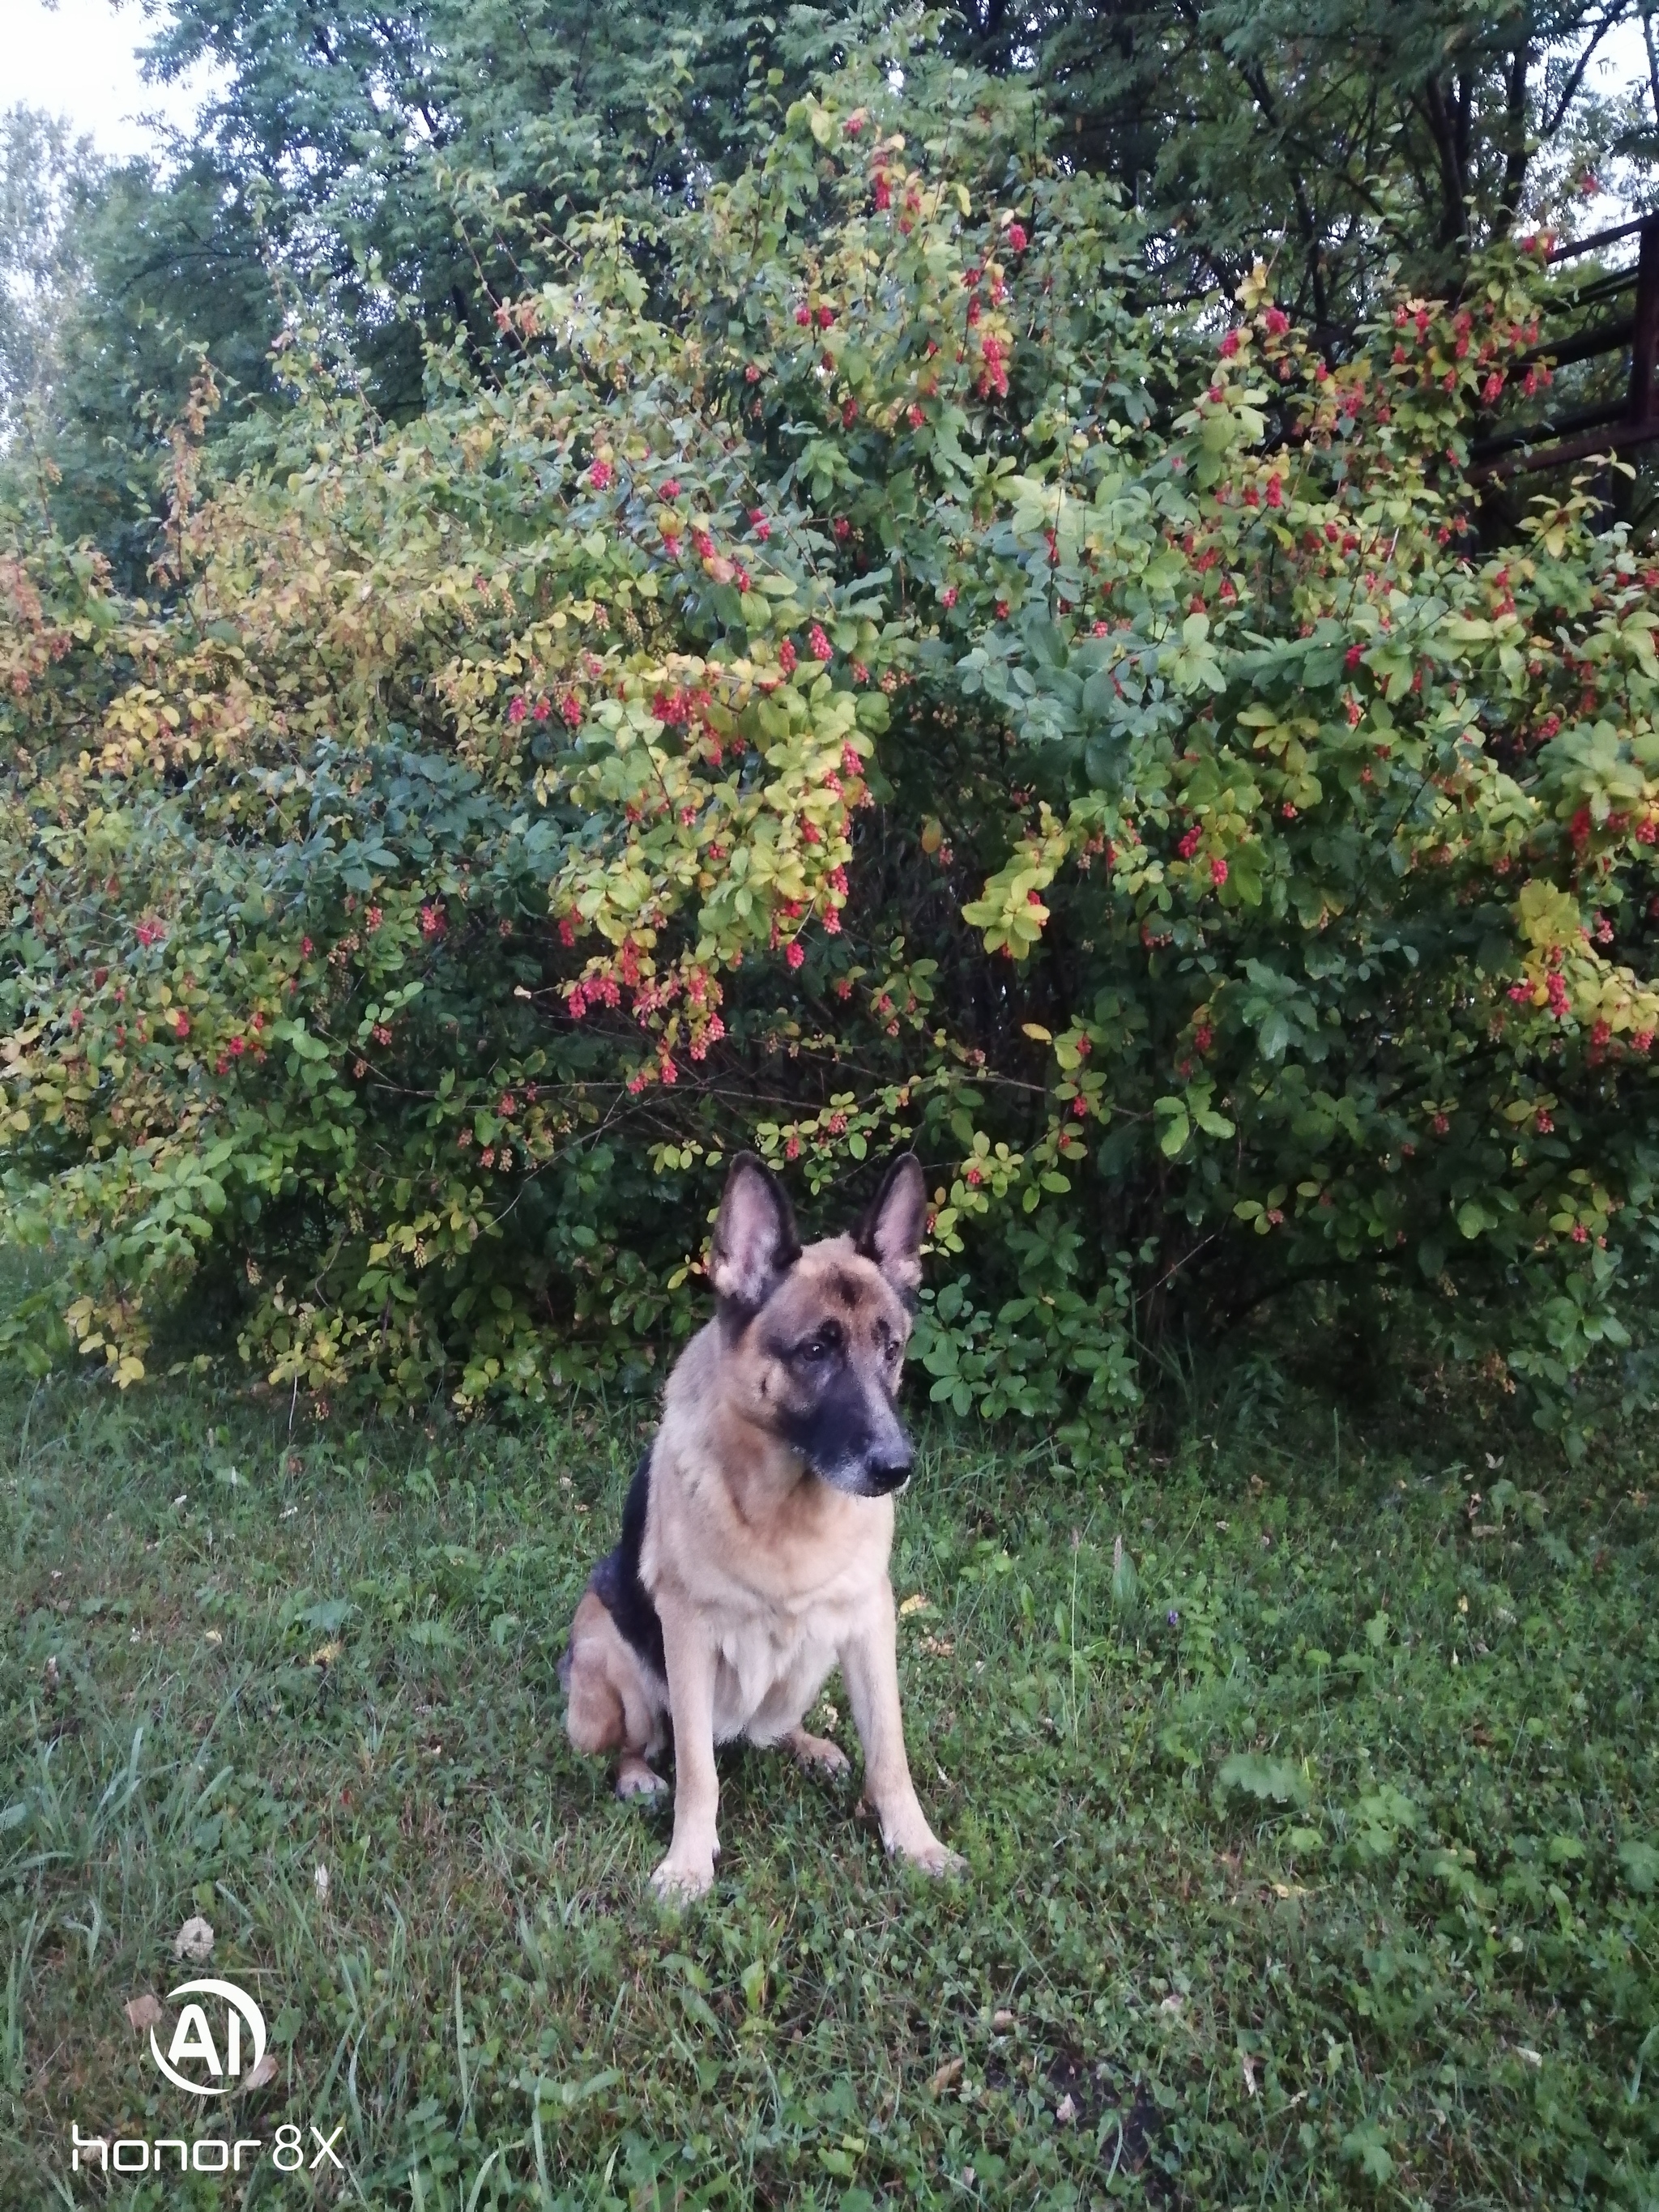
point(781, 1571)
point(771, 1666)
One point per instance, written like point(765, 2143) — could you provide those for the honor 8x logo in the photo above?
point(217, 2046)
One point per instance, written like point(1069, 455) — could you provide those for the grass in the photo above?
point(1311, 1842)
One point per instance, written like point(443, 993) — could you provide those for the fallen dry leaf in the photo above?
point(1172, 2002)
point(945, 2076)
point(194, 1940)
point(916, 1604)
point(264, 2072)
point(143, 2012)
point(326, 1654)
point(1002, 2020)
point(1065, 2110)
point(1247, 2067)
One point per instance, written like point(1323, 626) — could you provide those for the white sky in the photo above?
point(76, 59)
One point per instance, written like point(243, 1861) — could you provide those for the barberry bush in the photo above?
point(853, 670)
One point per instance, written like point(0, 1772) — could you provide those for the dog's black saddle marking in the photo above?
point(616, 1580)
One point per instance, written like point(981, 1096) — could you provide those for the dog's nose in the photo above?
point(891, 1473)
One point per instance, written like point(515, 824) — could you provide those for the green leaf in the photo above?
point(1367, 2147)
point(1639, 1863)
point(1273, 1781)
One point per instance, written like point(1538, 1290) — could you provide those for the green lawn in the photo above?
point(1320, 1869)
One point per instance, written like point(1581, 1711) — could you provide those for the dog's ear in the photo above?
point(755, 1241)
point(890, 1231)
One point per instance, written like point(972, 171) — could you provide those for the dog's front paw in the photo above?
point(817, 1751)
point(681, 1882)
point(931, 1858)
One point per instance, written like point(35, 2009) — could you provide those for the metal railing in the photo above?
point(1614, 426)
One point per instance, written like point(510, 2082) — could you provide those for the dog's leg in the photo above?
point(814, 1751)
point(593, 1671)
point(642, 1738)
point(612, 1706)
point(777, 1725)
point(634, 1779)
point(869, 1665)
point(689, 1869)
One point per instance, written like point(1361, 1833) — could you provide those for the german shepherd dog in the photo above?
point(755, 1536)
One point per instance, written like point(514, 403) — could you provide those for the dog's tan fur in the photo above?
point(764, 1575)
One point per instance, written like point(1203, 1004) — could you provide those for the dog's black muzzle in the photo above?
point(869, 1478)
point(854, 1442)
point(882, 1481)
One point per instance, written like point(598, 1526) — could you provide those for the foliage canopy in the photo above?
point(878, 680)
point(393, 167)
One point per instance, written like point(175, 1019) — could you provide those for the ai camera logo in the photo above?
point(216, 2063)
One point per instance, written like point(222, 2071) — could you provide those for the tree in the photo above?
point(403, 170)
point(1341, 129)
point(399, 170)
point(44, 176)
point(168, 275)
point(416, 160)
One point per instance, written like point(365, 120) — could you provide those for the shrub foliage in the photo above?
point(853, 673)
